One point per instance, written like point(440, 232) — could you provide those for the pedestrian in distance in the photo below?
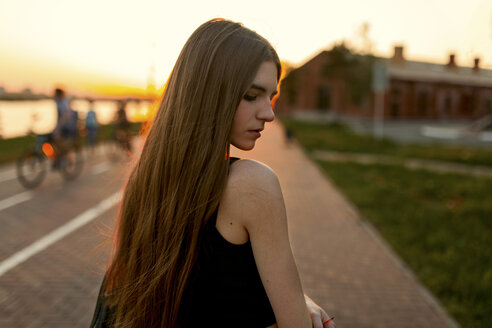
point(289, 135)
point(122, 127)
point(121, 120)
point(91, 126)
point(201, 237)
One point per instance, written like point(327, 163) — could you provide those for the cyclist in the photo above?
point(66, 125)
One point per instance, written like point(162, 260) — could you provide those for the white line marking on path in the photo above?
point(59, 233)
point(100, 168)
point(7, 175)
point(14, 200)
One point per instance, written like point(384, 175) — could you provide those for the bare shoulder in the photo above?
point(250, 177)
point(253, 201)
point(252, 190)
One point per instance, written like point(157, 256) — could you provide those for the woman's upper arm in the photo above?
point(257, 203)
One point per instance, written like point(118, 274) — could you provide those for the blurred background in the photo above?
point(392, 100)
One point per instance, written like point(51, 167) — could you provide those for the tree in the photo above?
point(289, 82)
point(366, 44)
point(355, 70)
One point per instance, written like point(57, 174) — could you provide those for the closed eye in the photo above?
point(259, 88)
point(248, 97)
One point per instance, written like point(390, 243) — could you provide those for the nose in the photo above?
point(265, 112)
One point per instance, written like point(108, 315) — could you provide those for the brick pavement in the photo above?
point(344, 264)
point(56, 287)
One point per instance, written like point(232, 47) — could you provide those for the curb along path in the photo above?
point(439, 166)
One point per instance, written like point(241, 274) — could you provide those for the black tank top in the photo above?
point(225, 289)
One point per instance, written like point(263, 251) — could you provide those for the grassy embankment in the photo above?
point(11, 149)
point(439, 223)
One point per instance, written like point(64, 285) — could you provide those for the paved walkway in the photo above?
point(480, 171)
point(344, 264)
point(52, 255)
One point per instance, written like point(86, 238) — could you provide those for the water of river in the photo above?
point(18, 118)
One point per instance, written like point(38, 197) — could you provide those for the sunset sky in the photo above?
point(109, 46)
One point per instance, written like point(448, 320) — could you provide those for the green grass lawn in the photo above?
point(440, 224)
point(337, 137)
point(11, 149)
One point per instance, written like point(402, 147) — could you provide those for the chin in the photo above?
point(245, 146)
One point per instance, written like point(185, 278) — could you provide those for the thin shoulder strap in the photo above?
point(232, 160)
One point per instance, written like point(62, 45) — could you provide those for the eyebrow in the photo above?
point(258, 87)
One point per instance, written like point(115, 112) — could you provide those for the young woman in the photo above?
point(202, 238)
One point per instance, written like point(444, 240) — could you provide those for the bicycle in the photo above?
point(119, 146)
point(32, 166)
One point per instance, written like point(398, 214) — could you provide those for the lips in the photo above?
point(256, 133)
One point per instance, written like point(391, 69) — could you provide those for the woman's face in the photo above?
point(255, 108)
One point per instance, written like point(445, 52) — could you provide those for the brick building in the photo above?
point(416, 90)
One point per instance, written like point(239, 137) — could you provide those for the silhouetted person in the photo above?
point(289, 135)
point(66, 125)
point(63, 114)
point(91, 125)
point(122, 126)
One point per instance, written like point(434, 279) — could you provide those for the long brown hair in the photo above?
point(178, 181)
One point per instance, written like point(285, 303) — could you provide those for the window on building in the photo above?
point(324, 98)
point(488, 106)
point(474, 101)
point(447, 104)
point(395, 103)
point(422, 101)
point(466, 105)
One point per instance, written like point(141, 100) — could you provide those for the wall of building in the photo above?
point(313, 91)
point(424, 100)
point(404, 99)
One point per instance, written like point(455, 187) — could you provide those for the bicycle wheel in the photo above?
point(71, 164)
point(31, 169)
point(117, 150)
point(113, 150)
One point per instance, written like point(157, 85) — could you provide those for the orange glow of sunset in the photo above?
point(120, 48)
point(121, 91)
